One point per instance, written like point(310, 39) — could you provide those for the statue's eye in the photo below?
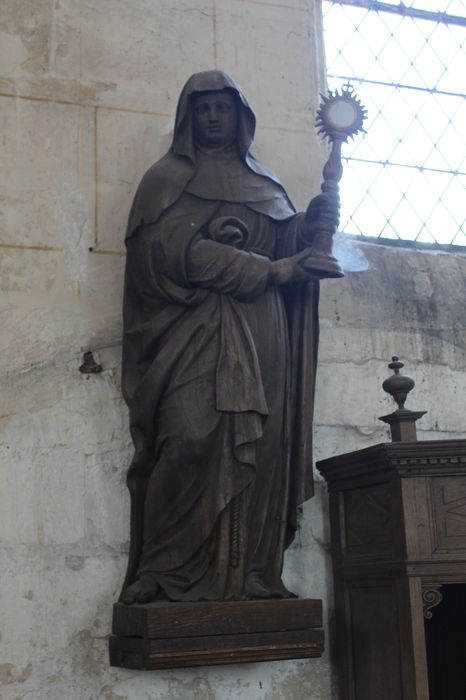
point(223, 107)
point(201, 109)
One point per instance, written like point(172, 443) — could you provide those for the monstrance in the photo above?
point(339, 117)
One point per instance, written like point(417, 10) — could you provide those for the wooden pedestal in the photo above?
point(398, 522)
point(169, 635)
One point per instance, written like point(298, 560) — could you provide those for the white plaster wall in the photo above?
point(88, 90)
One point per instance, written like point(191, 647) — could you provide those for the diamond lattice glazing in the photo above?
point(406, 178)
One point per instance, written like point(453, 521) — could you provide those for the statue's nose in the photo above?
point(213, 114)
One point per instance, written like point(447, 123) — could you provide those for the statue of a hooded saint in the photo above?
point(219, 360)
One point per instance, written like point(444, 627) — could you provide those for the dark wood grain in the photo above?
point(212, 650)
point(165, 620)
point(167, 635)
point(376, 653)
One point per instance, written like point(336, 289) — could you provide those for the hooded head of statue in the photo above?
point(167, 179)
point(205, 83)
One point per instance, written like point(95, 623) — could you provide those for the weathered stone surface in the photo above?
point(121, 165)
point(362, 397)
point(28, 272)
point(54, 634)
point(407, 303)
point(101, 53)
point(47, 317)
point(158, 44)
point(47, 174)
point(422, 299)
point(25, 36)
point(255, 40)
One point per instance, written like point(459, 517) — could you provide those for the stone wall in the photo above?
point(88, 90)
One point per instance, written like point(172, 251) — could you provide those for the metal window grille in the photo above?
point(405, 179)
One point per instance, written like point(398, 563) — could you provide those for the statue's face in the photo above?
point(215, 119)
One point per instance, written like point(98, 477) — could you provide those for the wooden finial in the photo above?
point(398, 385)
point(402, 421)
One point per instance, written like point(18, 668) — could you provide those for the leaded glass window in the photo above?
point(405, 179)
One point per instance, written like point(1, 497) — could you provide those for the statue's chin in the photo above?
point(214, 141)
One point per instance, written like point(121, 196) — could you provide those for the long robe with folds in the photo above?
point(218, 374)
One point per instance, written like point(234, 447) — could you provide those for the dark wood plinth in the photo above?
point(169, 635)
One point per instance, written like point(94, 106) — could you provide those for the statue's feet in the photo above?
point(256, 589)
point(144, 590)
point(282, 592)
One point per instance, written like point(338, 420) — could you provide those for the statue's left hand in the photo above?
point(323, 212)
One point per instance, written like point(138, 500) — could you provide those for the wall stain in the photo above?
point(47, 39)
point(74, 562)
point(108, 693)
point(198, 688)
point(55, 678)
point(90, 656)
point(31, 23)
point(8, 674)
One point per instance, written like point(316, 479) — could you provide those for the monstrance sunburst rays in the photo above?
point(340, 115)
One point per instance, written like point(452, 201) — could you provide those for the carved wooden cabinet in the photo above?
point(398, 524)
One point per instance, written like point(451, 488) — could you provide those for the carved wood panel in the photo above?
point(376, 653)
point(368, 521)
point(449, 514)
